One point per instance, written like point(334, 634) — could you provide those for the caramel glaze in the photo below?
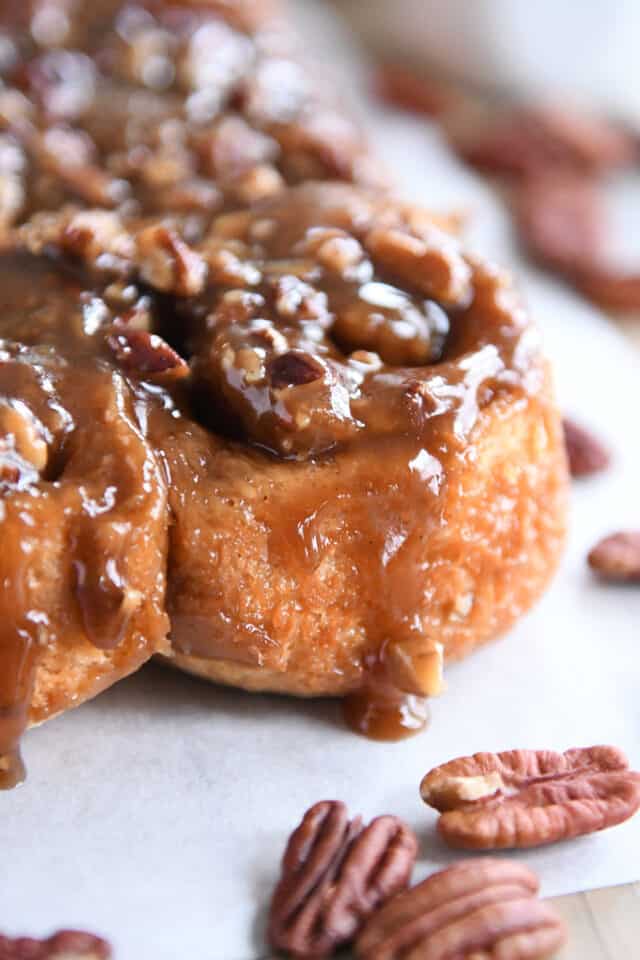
point(83, 505)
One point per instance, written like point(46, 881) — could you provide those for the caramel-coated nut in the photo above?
point(258, 183)
point(12, 199)
point(147, 354)
point(414, 669)
point(476, 910)
point(24, 433)
point(97, 237)
point(167, 263)
point(436, 268)
point(525, 798)
point(334, 875)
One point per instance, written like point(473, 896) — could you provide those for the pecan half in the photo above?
point(587, 454)
point(147, 354)
point(476, 909)
point(65, 945)
point(612, 289)
point(542, 138)
point(334, 875)
point(525, 798)
point(403, 88)
point(561, 221)
point(617, 557)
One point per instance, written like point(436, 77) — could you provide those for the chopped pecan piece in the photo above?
point(587, 454)
point(334, 875)
point(65, 945)
point(12, 198)
point(416, 668)
point(434, 268)
point(617, 557)
point(525, 798)
point(147, 354)
point(384, 320)
point(258, 183)
point(97, 237)
point(293, 369)
point(21, 431)
point(295, 299)
point(475, 910)
point(167, 263)
point(15, 471)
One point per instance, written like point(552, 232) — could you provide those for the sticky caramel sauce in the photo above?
point(385, 714)
point(82, 505)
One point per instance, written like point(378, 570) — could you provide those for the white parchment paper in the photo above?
point(157, 814)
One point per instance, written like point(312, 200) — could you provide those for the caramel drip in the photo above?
point(385, 714)
point(19, 650)
point(82, 507)
point(381, 709)
point(17, 662)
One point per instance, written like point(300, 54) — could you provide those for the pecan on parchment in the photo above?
point(525, 798)
point(485, 908)
point(587, 454)
point(617, 557)
point(65, 945)
point(474, 909)
point(334, 875)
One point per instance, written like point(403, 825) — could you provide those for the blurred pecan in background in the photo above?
point(334, 875)
point(65, 945)
point(475, 909)
point(587, 454)
point(525, 798)
point(617, 557)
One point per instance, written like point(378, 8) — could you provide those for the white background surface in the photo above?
point(157, 814)
point(516, 45)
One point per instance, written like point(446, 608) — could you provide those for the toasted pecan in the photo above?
point(335, 873)
point(526, 798)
